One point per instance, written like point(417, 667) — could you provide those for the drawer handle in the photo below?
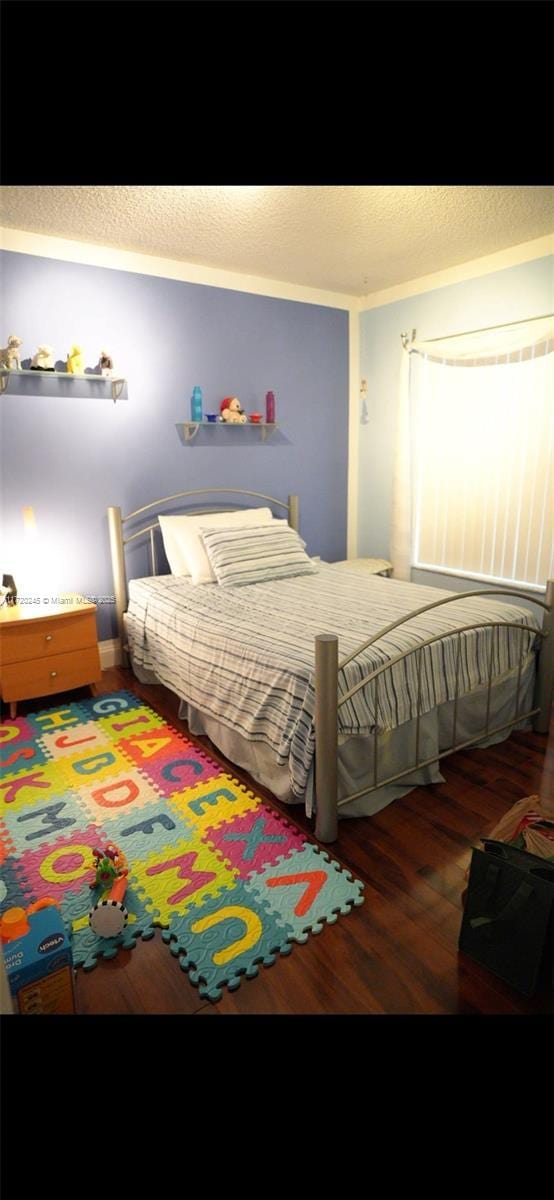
point(53, 674)
point(48, 637)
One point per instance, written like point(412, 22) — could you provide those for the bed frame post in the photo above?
point(326, 736)
point(545, 668)
point(117, 551)
point(294, 516)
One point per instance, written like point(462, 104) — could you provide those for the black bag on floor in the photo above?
point(507, 923)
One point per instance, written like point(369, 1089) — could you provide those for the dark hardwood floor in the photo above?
point(397, 953)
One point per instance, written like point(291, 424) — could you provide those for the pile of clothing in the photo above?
point(529, 825)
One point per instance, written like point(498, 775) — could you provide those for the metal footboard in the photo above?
point(328, 703)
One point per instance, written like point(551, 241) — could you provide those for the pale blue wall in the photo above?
point(512, 294)
point(69, 453)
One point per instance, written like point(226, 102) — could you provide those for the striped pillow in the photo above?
point(256, 554)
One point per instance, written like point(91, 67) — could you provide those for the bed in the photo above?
point(422, 672)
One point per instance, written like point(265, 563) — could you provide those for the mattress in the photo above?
point(244, 657)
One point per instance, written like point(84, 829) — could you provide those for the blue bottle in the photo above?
point(196, 404)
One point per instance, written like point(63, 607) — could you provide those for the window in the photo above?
point(482, 432)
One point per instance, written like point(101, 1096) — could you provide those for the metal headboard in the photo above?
point(118, 539)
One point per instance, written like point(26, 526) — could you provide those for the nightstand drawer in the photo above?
point(56, 673)
point(54, 636)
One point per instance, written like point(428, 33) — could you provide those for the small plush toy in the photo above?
point(9, 356)
point(43, 359)
point(76, 361)
point(105, 363)
point(231, 411)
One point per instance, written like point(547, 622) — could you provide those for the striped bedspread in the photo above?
point(246, 655)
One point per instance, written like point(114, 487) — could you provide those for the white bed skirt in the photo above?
point(395, 750)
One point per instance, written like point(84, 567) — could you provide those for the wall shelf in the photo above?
point(191, 428)
point(10, 377)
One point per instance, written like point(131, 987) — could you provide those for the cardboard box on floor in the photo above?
point(39, 966)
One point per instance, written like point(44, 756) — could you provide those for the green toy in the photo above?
point(109, 865)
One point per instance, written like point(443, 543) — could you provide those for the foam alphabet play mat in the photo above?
point(232, 884)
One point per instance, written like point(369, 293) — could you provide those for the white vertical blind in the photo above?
point(482, 451)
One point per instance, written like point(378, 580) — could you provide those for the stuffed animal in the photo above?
point(231, 411)
point(9, 356)
point(43, 359)
point(105, 363)
point(76, 361)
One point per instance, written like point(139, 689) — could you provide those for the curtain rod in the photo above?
point(485, 329)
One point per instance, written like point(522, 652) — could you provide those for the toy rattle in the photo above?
point(108, 916)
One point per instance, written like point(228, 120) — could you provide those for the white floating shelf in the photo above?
point(7, 377)
point(191, 427)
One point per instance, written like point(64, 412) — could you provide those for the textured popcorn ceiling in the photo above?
point(345, 239)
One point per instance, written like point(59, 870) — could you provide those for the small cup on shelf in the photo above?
point(255, 418)
point(211, 417)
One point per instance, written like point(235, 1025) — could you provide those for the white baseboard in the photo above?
point(110, 653)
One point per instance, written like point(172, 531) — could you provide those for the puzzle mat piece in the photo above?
point(143, 832)
point(315, 888)
point(15, 891)
point(6, 845)
point(15, 730)
point(178, 875)
point(19, 757)
point(151, 744)
point(109, 704)
point(59, 866)
point(76, 907)
point(170, 761)
point(224, 939)
point(43, 823)
point(141, 747)
point(86, 946)
point(254, 840)
point(124, 724)
point(40, 786)
point(215, 802)
point(126, 793)
point(61, 716)
point(101, 765)
point(88, 737)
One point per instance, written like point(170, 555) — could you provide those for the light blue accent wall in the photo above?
point(512, 294)
point(71, 455)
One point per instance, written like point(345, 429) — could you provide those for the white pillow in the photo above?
point(183, 545)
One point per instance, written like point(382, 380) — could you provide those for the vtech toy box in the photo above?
point(39, 966)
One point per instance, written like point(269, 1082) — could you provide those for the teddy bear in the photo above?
point(43, 360)
point(76, 361)
point(231, 411)
point(9, 355)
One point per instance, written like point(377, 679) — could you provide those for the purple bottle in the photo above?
point(270, 408)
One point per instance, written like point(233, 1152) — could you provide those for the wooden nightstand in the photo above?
point(371, 566)
point(46, 649)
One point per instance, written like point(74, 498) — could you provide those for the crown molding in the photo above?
point(90, 254)
point(511, 257)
